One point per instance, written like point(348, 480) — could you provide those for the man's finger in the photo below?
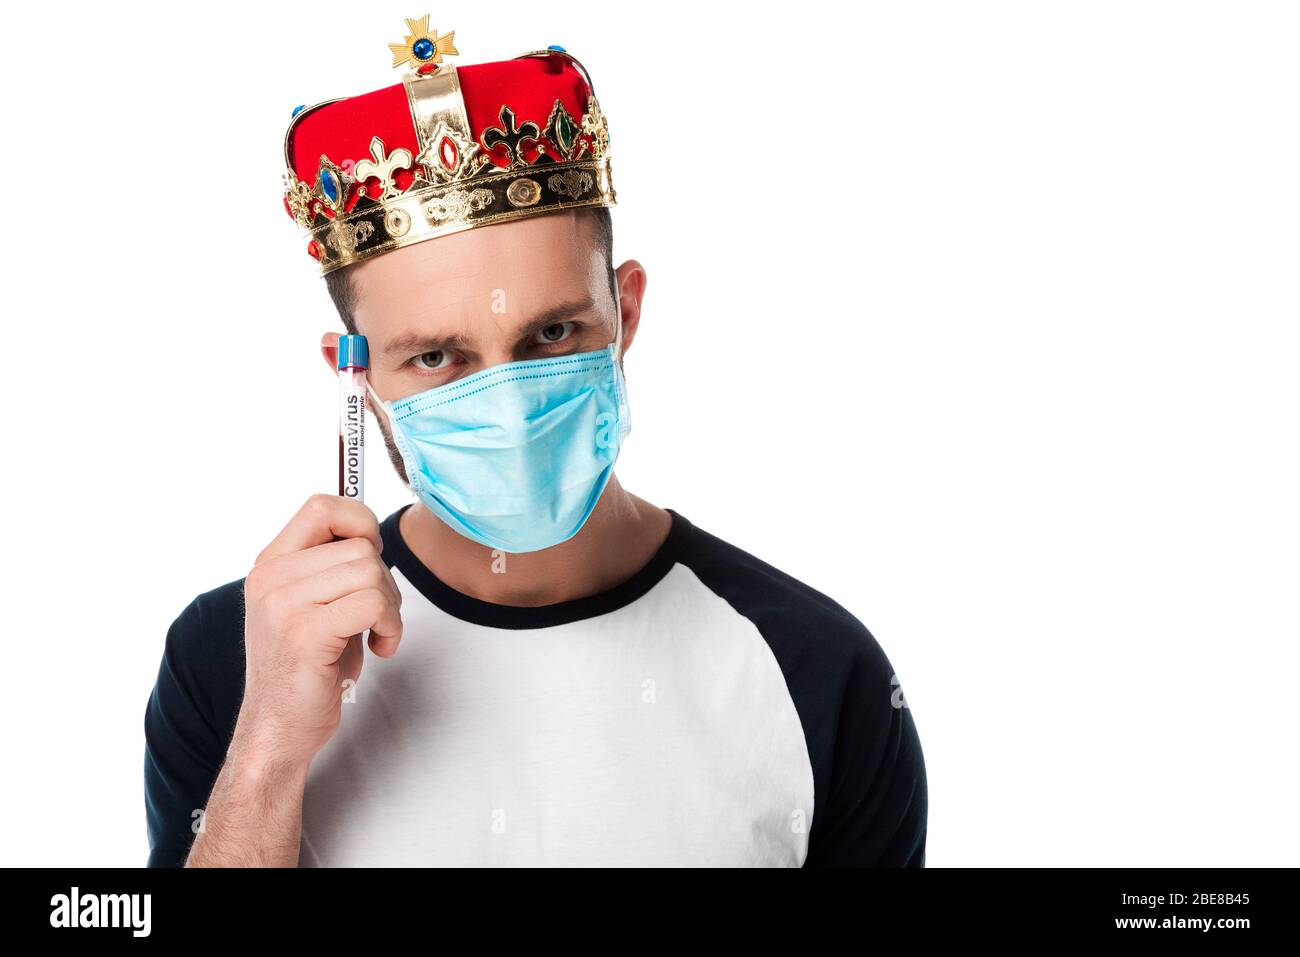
point(322, 519)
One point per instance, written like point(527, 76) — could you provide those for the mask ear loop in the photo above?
point(624, 413)
point(618, 330)
point(377, 404)
point(378, 407)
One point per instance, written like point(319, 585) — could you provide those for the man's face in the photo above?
point(443, 309)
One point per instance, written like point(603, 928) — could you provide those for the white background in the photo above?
point(979, 317)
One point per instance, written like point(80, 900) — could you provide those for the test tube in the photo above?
point(354, 360)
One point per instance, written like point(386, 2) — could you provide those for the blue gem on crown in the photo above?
point(329, 185)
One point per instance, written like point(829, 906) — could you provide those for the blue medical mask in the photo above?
point(515, 457)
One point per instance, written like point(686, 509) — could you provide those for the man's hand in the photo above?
point(307, 600)
point(309, 596)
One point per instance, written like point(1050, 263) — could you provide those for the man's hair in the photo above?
point(344, 294)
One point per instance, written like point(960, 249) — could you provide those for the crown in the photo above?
point(445, 150)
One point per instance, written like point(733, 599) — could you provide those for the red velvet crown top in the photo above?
point(529, 86)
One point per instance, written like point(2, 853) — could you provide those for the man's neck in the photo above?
point(617, 541)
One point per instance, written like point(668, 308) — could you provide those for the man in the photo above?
point(562, 673)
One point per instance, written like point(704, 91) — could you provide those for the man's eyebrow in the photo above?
point(556, 314)
point(417, 343)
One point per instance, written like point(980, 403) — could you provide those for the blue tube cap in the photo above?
point(353, 352)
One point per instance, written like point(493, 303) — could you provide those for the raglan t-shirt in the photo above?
point(708, 711)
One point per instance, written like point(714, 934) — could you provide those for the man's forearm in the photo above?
point(254, 815)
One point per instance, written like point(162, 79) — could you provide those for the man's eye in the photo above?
point(556, 333)
point(431, 361)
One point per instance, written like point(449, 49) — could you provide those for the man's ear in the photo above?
point(329, 348)
point(631, 279)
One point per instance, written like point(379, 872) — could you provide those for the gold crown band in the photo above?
point(374, 227)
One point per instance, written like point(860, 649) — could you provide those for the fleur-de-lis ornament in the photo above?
point(383, 166)
point(594, 125)
point(422, 45)
point(297, 196)
point(512, 135)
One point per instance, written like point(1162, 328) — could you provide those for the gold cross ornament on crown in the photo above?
point(422, 45)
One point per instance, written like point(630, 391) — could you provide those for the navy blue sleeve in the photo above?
point(870, 798)
point(876, 801)
point(190, 717)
